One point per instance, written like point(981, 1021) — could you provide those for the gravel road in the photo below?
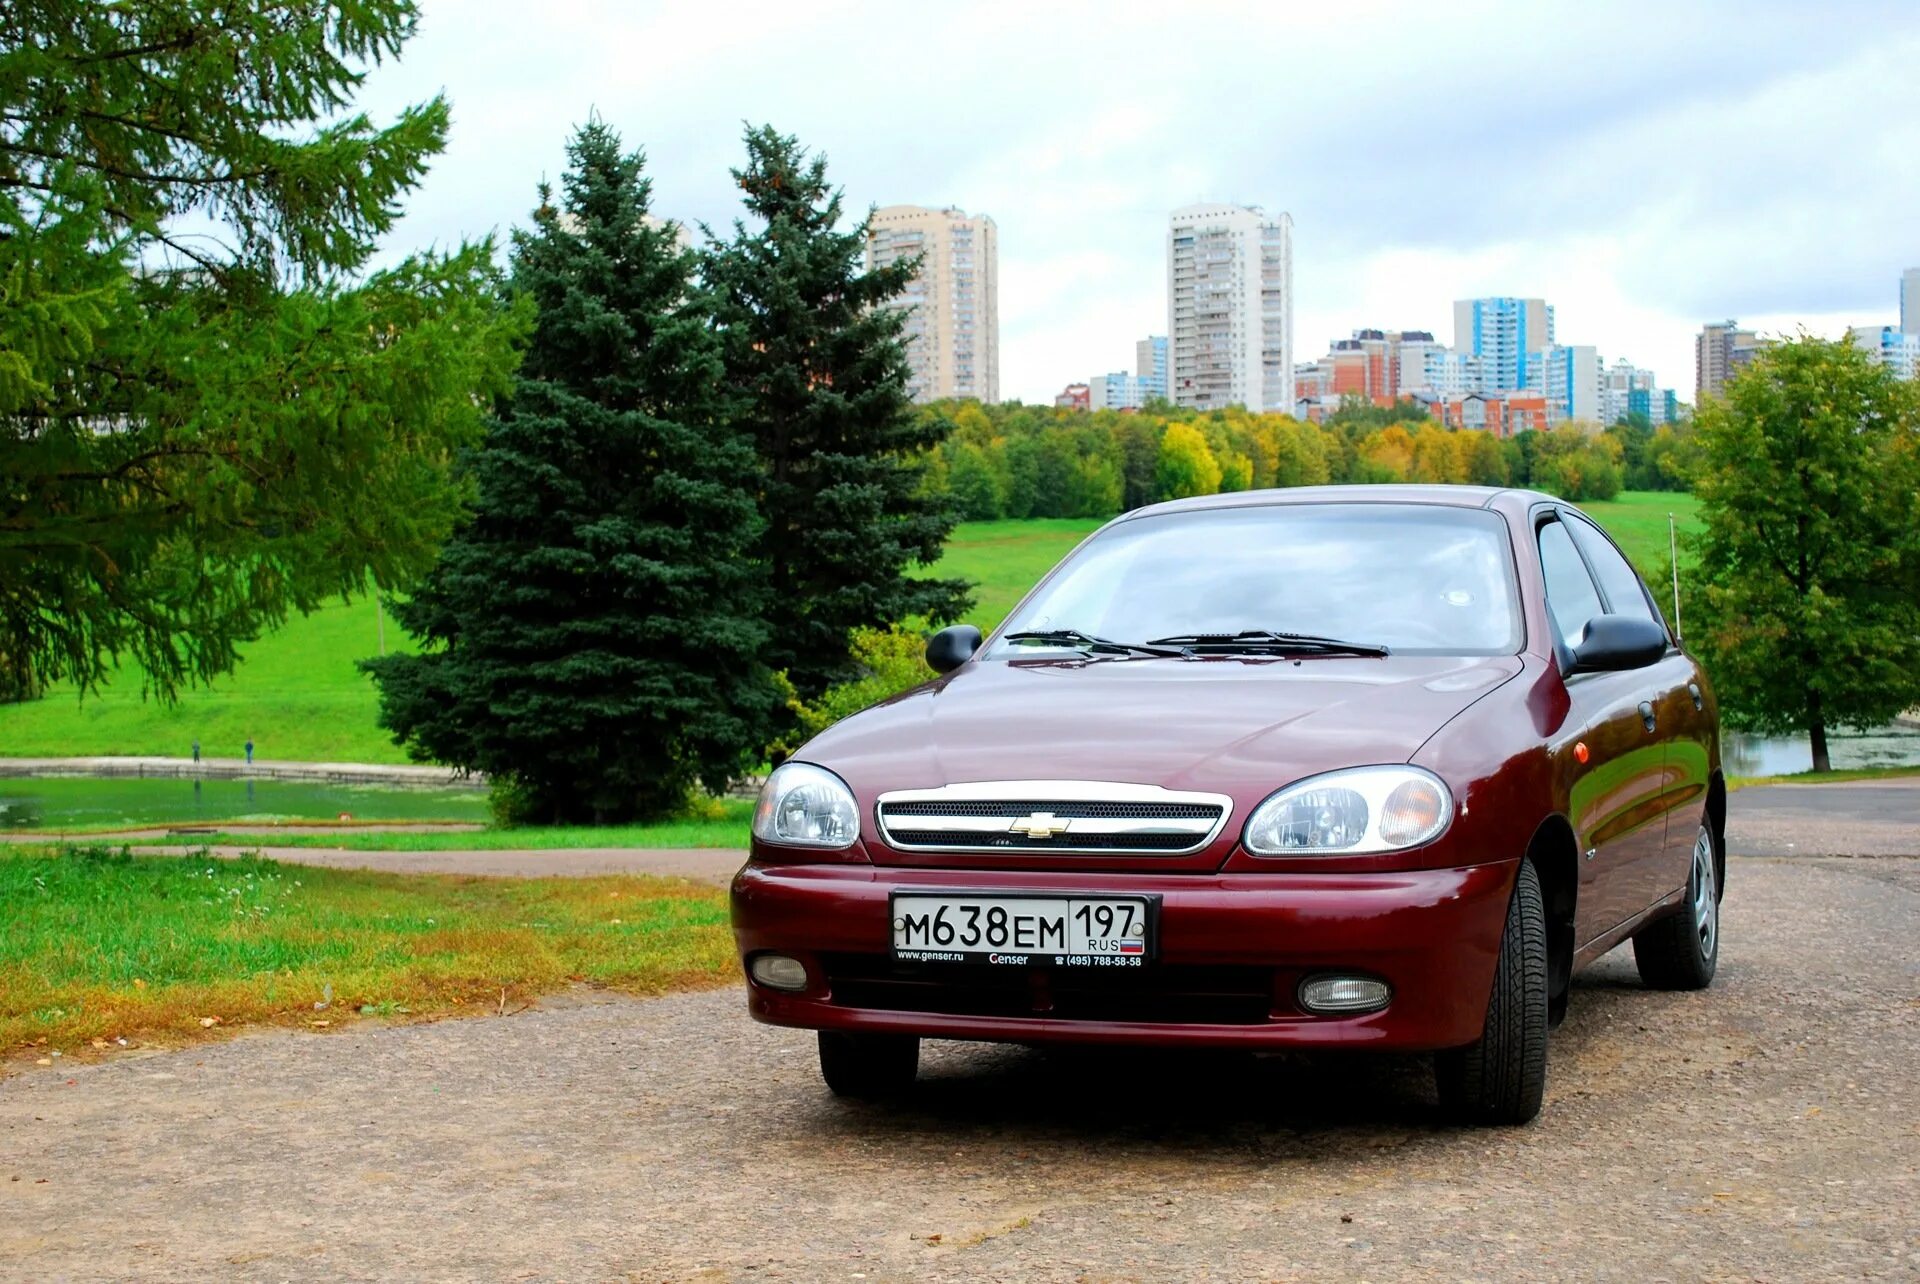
point(1768, 1128)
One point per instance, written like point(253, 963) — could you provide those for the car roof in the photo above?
point(1379, 493)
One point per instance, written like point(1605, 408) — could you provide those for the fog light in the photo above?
point(1344, 994)
point(779, 972)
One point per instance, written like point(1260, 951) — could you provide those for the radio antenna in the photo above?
point(1673, 555)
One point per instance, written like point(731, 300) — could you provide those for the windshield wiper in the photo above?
point(1266, 640)
point(1087, 642)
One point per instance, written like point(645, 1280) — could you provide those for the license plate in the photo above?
point(1023, 930)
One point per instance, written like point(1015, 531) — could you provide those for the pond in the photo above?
point(1891, 746)
point(80, 802)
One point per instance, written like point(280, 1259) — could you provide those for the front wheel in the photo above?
point(1501, 1078)
point(1682, 951)
point(868, 1067)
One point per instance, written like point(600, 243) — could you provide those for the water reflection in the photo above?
point(63, 802)
point(1891, 746)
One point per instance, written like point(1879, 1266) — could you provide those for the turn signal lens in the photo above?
point(1344, 994)
point(1415, 811)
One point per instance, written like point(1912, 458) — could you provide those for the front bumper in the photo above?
point(1232, 951)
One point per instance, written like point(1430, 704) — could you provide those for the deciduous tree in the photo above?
point(1809, 488)
point(1187, 466)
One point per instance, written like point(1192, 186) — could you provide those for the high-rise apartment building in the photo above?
point(1120, 390)
point(1230, 308)
point(1897, 350)
point(1623, 379)
point(1453, 374)
point(1656, 405)
point(1910, 301)
point(1573, 380)
point(1150, 365)
point(1719, 352)
point(953, 304)
point(1414, 360)
point(1504, 333)
point(1632, 390)
point(1377, 366)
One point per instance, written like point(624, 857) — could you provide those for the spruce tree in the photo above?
point(593, 635)
point(818, 377)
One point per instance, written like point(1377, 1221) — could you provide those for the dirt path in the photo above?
point(1763, 1129)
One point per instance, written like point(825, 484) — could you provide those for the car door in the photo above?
point(1680, 722)
point(1615, 801)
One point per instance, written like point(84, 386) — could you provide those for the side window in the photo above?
point(1571, 597)
point(1618, 583)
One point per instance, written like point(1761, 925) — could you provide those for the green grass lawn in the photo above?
point(296, 693)
point(299, 697)
point(97, 946)
point(1004, 559)
point(1637, 520)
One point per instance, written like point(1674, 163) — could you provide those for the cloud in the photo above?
point(1645, 168)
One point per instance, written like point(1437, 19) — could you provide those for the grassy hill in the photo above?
point(296, 693)
point(299, 697)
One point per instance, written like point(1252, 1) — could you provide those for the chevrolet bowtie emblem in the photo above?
point(1041, 824)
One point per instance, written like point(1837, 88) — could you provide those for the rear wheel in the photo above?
point(1682, 951)
point(868, 1067)
point(1501, 1078)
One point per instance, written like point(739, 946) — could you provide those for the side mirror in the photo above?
point(1615, 642)
point(952, 647)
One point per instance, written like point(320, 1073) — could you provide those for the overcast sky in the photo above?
point(1643, 168)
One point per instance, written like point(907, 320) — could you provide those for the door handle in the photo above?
point(1646, 714)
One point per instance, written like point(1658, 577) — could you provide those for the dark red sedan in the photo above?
point(1342, 767)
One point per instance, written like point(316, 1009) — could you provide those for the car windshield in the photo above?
point(1416, 578)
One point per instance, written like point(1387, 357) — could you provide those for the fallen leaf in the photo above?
point(207, 1023)
point(321, 1024)
point(101, 1043)
point(138, 984)
point(44, 1061)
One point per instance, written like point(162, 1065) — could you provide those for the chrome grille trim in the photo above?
point(981, 817)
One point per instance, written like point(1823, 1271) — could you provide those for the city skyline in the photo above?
point(1693, 164)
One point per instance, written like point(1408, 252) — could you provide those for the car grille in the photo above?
point(1164, 995)
point(1063, 816)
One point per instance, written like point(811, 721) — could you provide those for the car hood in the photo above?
point(1238, 726)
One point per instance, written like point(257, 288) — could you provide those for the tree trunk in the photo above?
point(1817, 731)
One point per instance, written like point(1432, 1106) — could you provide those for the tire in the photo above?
point(868, 1067)
point(1682, 951)
point(1501, 1078)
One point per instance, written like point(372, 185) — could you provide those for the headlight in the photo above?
point(1367, 809)
point(802, 805)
